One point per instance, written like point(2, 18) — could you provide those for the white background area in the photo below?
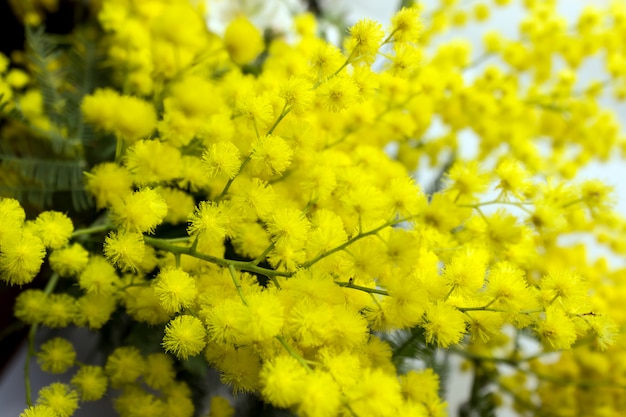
point(504, 20)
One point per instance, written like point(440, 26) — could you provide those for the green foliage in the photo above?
point(46, 166)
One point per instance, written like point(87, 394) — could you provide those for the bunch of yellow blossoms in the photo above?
point(259, 210)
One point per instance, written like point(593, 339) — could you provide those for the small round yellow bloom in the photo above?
point(124, 365)
point(59, 397)
point(56, 355)
point(321, 396)
point(338, 93)
point(69, 261)
point(90, 382)
point(184, 336)
point(444, 323)
point(108, 182)
point(39, 411)
point(94, 310)
point(406, 24)
point(281, 380)
point(129, 117)
point(125, 249)
point(31, 306)
point(243, 41)
point(271, 155)
point(160, 371)
point(61, 310)
point(21, 257)
point(220, 407)
point(208, 221)
point(98, 277)
point(222, 159)
point(557, 331)
point(53, 228)
point(365, 39)
point(140, 211)
point(176, 289)
point(13, 216)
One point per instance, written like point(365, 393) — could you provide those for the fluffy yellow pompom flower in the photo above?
point(184, 336)
point(365, 39)
point(255, 109)
point(321, 396)
point(21, 257)
point(270, 155)
point(220, 407)
point(39, 411)
point(94, 310)
point(124, 365)
point(406, 25)
point(12, 215)
point(108, 182)
point(56, 355)
point(31, 306)
point(507, 288)
point(243, 41)
point(338, 93)
point(53, 228)
point(444, 323)
point(420, 386)
point(289, 226)
point(222, 159)
point(59, 397)
point(60, 310)
point(125, 249)
point(467, 180)
point(377, 393)
point(128, 117)
point(226, 322)
point(176, 289)
point(465, 273)
point(281, 381)
point(140, 211)
point(324, 59)
point(98, 277)
point(240, 370)
point(69, 261)
point(298, 94)
point(153, 161)
point(90, 382)
point(514, 178)
point(143, 305)
point(253, 198)
point(208, 221)
point(265, 316)
point(557, 331)
point(160, 371)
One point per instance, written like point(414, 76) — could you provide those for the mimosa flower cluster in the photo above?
point(259, 209)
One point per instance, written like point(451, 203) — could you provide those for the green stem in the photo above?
point(351, 241)
point(233, 275)
point(360, 288)
point(262, 256)
point(230, 181)
point(285, 111)
point(30, 353)
point(241, 265)
point(497, 310)
point(293, 353)
point(92, 229)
